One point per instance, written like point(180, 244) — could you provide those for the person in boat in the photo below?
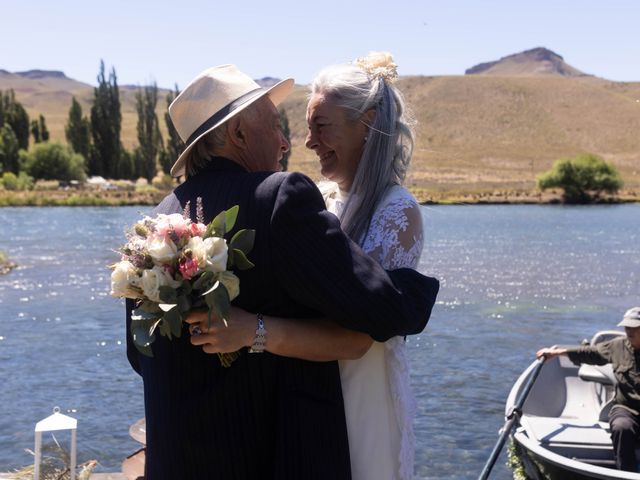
point(624, 355)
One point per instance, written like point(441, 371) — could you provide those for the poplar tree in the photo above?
point(106, 122)
point(35, 131)
point(149, 137)
point(77, 130)
point(44, 131)
point(14, 114)
point(175, 145)
point(39, 130)
point(9, 148)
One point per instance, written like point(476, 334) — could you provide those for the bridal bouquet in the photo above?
point(170, 265)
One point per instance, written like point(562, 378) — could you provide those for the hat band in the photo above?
point(223, 112)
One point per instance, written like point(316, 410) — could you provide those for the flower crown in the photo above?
point(379, 65)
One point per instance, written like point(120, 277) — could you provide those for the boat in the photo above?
point(563, 431)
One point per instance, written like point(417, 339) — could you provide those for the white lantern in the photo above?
point(53, 423)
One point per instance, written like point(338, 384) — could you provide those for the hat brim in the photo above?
point(629, 322)
point(276, 93)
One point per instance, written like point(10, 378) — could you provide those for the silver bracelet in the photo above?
point(260, 340)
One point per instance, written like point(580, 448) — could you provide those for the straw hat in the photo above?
point(212, 98)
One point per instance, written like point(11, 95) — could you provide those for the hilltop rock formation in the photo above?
point(36, 74)
point(537, 61)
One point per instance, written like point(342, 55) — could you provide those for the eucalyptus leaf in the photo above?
point(214, 287)
point(146, 351)
point(218, 302)
point(219, 225)
point(165, 329)
point(140, 332)
point(143, 325)
point(202, 280)
point(184, 303)
point(243, 240)
point(165, 307)
point(174, 319)
point(167, 294)
point(154, 326)
point(230, 259)
point(241, 261)
point(230, 217)
point(141, 314)
point(148, 307)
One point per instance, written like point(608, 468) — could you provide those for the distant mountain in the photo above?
point(267, 82)
point(36, 74)
point(537, 61)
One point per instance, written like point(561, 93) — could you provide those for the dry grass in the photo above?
point(474, 133)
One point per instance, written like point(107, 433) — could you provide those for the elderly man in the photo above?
point(266, 416)
point(624, 355)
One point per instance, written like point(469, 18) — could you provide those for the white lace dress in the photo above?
point(379, 403)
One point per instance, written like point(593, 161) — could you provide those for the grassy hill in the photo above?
point(474, 132)
point(491, 132)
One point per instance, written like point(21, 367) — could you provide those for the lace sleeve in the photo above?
point(395, 235)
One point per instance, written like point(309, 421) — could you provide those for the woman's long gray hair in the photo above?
point(389, 145)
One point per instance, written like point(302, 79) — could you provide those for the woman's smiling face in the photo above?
point(337, 140)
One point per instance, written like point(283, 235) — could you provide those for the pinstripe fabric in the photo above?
point(270, 417)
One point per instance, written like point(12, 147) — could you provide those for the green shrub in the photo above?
point(583, 178)
point(10, 181)
point(54, 161)
point(20, 182)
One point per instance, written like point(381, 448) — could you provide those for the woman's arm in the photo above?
point(309, 339)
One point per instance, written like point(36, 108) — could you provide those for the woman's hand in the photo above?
point(223, 336)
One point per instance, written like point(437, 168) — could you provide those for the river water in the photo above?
point(513, 279)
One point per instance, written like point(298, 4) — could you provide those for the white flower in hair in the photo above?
point(380, 65)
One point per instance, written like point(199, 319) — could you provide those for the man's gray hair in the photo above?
point(390, 138)
point(211, 144)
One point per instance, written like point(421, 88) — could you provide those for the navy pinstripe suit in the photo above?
point(266, 416)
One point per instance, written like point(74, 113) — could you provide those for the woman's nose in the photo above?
point(310, 142)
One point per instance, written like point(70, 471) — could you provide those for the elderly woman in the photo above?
point(359, 129)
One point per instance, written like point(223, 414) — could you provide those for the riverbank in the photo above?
point(80, 198)
point(152, 196)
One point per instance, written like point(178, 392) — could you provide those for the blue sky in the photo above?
point(171, 42)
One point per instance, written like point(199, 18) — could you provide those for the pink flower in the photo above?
point(198, 229)
point(175, 225)
point(189, 268)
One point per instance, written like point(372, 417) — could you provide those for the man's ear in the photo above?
point(235, 132)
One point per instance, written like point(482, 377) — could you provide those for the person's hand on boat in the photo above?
point(550, 352)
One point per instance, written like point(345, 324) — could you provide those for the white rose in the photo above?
point(231, 283)
point(124, 280)
point(162, 250)
point(216, 249)
point(198, 250)
point(155, 278)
